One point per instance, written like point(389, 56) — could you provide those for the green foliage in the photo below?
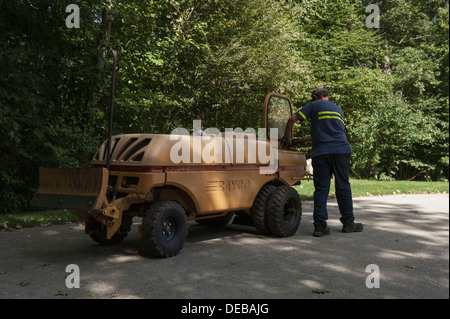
point(44, 72)
point(210, 59)
point(183, 59)
point(387, 138)
point(392, 82)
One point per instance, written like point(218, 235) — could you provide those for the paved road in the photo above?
point(405, 236)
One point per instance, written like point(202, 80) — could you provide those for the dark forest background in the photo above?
point(217, 59)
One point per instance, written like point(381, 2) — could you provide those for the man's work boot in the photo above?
point(352, 227)
point(320, 231)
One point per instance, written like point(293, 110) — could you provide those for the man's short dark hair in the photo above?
point(319, 93)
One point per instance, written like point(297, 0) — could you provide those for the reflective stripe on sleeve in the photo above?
point(302, 115)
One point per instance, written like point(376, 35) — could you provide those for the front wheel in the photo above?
point(284, 211)
point(164, 229)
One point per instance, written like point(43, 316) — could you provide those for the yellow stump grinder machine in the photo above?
point(171, 179)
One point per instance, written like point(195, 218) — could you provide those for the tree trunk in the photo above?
point(103, 48)
point(96, 79)
point(387, 60)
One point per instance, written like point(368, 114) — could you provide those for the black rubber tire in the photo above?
point(99, 235)
point(218, 221)
point(164, 229)
point(284, 211)
point(259, 209)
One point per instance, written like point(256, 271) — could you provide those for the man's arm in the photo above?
point(289, 126)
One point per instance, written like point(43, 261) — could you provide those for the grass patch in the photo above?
point(37, 218)
point(362, 188)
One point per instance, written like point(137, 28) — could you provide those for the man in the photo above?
point(330, 155)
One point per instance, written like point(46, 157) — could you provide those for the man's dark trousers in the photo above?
point(323, 167)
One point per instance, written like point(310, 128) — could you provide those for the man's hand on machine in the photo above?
point(285, 143)
point(303, 140)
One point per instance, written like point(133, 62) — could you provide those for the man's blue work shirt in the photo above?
point(327, 128)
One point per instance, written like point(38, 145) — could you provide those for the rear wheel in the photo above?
point(284, 211)
point(164, 229)
point(259, 209)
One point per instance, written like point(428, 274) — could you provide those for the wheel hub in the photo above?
point(169, 229)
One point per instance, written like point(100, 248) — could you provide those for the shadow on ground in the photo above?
point(405, 236)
